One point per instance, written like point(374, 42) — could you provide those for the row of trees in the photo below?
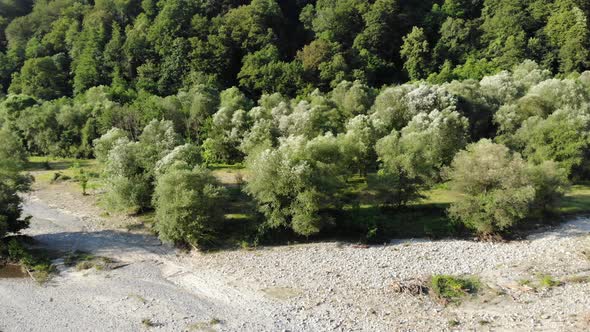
point(509, 143)
point(55, 48)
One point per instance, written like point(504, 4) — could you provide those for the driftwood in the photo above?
point(410, 286)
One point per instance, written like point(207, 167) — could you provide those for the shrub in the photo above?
point(297, 182)
point(496, 188)
point(189, 205)
point(130, 166)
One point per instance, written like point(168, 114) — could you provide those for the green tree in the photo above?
point(296, 184)
point(189, 206)
point(41, 78)
point(497, 192)
point(12, 183)
point(416, 52)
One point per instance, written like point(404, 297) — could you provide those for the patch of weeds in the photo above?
point(547, 281)
point(36, 263)
point(73, 258)
point(451, 289)
point(484, 322)
point(148, 322)
point(214, 321)
point(454, 323)
point(85, 261)
point(525, 282)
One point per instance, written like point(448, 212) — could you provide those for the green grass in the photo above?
point(547, 281)
point(450, 289)
point(48, 170)
point(85, 261)
point(577, 201)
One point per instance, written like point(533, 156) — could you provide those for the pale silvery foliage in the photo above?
point(357, 143)
point(261, 135)
point(488, 169)
point(426, 98)
point(160, 135)
point(105, 143)
point(529, 74)
point(558, 93)
point(222, 118)
point(293, 182)
point(123, 158)
point(430, 141)
point(500, 89)
point(283, 109)
point(239, 125)
point(389, 109)
point(299, 121)
point(396, 106)
point(186, 153)
point(585, 79)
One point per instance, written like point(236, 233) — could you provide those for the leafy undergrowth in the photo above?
point(36, 262)
point(450, 289)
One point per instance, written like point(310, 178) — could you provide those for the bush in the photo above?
point(189, 206)
point(187, 153)
point(296, 183)
point(500, 189)
point(495, 186)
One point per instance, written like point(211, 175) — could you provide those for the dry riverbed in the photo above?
point(310, 287)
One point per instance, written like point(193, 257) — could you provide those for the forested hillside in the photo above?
point(333, 107)
point(55, 48)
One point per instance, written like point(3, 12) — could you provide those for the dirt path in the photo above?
point(311, 287)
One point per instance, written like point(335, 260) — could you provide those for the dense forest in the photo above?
point(56, 48)
point(331, 106)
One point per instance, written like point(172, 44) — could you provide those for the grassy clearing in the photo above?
point(49, 170)
point(577, 201)
point(450, 289)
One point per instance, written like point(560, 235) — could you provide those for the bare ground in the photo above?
point(311, 287)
